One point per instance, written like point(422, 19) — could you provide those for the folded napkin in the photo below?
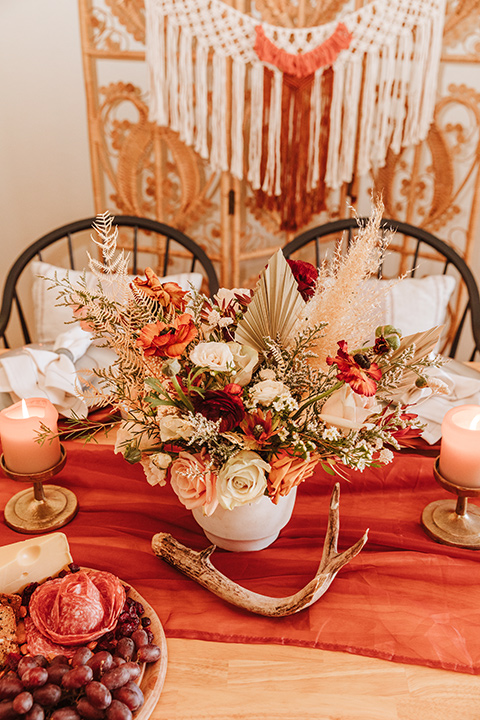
point(463, 383)
point(53, 373)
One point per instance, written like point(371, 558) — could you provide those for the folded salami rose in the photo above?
point(77, 608)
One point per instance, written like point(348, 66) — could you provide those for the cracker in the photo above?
point(8, 633)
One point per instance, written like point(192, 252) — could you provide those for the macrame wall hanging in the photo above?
point(310, 107)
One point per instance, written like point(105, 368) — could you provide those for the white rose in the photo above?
point(173, 427)
point(155, 467)
point(245, 359)
point(347, 409)
point(128, 431)
point(225, 295)
point(267, 374)
point(212, 355)
point(266, 391)
point(242, 479)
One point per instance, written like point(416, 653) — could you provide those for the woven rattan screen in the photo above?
point(139, 168)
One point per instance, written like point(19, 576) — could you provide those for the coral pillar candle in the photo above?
point(460, 448)
point(19, 428)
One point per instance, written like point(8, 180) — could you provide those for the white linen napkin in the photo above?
point(35, 371)
point(464, 386)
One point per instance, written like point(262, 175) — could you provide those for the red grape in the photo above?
point(77, 677)
point(36, 713)
point(56, 673)
point(87, 710)
point(134, 670)
point(98, 694)
point(100, 663)
point(81, 656)
point(34, 677)
point(118, 711)
point(7, 711)
point(148, 653)
point(25, 663)
point(115, 678)
point(140, 638)
point(131, 695)
point(10, 686)
point(47, 695)
point(59, 660)
point(23, 702)
point(125, 648)
point(66, 713)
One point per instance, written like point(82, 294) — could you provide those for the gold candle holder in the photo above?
point(43, 507)
point(453, 522)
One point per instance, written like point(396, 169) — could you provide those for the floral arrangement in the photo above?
point(241, 395)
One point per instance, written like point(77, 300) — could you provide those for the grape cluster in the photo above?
point(95, 684)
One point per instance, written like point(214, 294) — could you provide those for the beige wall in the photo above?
point(45, 176)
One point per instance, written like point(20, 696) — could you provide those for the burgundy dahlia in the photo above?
point(218, 404)
point(306, 276)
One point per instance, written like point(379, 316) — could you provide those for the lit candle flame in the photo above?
point(25, 413)
point(475, 422)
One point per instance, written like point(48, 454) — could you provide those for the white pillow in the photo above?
point(416, 304)
point(50, 319)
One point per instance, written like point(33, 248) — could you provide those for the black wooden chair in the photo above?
point(149, 243)
point(412, 250)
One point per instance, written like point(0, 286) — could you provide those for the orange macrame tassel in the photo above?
point(296, 205)
point(307, 63)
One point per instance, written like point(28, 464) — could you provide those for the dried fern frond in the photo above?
point(342, 298)
point(113, 271)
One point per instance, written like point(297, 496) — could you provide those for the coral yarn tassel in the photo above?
point(304, 64)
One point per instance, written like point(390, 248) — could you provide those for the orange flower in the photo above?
point(166, 294)
point(361, 374)
point(286, 472)
point(162, 340)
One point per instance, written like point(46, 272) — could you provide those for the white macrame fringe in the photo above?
point(172, 74)
point(256, 126)
point(218, 152)
point(383, 96)
point(238, 113)
point(271, 183)
point(155, 57)
point(313, 176)
point(201, 100)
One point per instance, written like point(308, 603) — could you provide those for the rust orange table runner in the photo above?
point(404, 598)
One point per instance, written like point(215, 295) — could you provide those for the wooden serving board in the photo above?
point(153, 676)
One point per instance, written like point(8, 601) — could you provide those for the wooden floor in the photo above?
point(222, 681)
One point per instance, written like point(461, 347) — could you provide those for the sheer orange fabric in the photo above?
point(404, 598)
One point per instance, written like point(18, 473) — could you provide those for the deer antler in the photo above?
point(198, 567)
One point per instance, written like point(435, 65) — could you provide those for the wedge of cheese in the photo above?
point(32, 560)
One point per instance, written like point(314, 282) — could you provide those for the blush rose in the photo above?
point(194, 482)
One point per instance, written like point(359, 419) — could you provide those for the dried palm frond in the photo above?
point(274, 308)
point(407, 360)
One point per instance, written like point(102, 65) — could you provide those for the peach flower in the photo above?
point(286, 472)
point(80, 313)
point(194, 482)
point(170, 340)
point(166, 294)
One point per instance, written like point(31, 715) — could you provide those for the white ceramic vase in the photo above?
point(247, 527)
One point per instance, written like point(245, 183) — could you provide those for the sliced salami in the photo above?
point(38, 644)
point(77, 608)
